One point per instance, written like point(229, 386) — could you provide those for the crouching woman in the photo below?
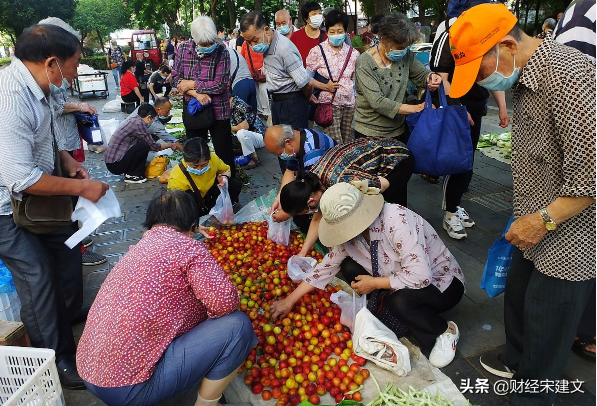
point(165, 318)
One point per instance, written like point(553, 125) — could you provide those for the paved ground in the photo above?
point(479, 318)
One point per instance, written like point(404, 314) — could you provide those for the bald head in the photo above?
point(282, 18)
point(277, 137)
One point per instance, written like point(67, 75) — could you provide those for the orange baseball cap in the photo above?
point(474, 33)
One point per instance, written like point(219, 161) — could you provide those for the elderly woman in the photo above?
point(382, 76)
point(129, 87)
point(336, 58)
point(202, 71)
point(200, 173)
point(388, 251)
point(165, 318)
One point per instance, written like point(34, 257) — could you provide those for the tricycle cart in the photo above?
point(94, 84)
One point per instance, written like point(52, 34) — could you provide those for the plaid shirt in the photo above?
point(209, 79)
point(130, 131)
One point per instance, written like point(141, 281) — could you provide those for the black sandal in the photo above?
point(579, 348)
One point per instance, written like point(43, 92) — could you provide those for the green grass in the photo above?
point(4, 61)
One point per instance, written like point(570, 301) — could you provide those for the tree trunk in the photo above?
point(537, 26)
point(517, 9)
point(259, 5)
point(213, 10)
point(202, 7)
point(101, 40)
point(421, 5)
point(13, 39)
point(526, 17)
point(231, 12)
point(301, 22)
point(382, 7)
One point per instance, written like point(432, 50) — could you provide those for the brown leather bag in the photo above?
point(324, 112)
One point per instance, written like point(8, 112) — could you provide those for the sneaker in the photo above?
point(466, 220)
point(91, 258)
point(492, 364)
point(453, 225)
point(134, 179)
point(444, 350)
point(87, 242)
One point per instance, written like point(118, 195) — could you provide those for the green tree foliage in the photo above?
point(16, 15)
point(101, 17)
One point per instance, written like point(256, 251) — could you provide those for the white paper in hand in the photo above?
point(92, 215)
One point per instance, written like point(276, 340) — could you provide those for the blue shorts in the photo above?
point(212, 349)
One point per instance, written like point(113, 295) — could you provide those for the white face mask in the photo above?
point(315, 21)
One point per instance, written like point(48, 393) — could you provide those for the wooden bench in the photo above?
point(13, 333)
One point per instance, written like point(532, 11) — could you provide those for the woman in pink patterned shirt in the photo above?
point(165, 318)
point(390, 252)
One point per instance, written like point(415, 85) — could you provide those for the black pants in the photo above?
point(209, 200)
point(455, 185)
point(293, 112)
point(586, 327)
point(157, 88)
point(47, 276)
point(398, 178)
point(221, 137)
point(131, 98)
point(541, 315)
point(133, 162)
point(419, 309)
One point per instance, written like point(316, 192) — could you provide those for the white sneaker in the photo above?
point(444, 350)
point(466, 220)
point(453, 225)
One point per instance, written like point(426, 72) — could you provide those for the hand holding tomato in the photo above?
point(281, 308)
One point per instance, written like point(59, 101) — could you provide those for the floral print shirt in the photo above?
point(410, 253)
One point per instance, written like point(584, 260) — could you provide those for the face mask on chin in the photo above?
point(55, 89)
point(498, 82)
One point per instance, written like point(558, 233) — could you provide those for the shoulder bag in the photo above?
point(205, 117)
point(43, 214)
point(196, 192)
point(258, 77)
point(324, 113)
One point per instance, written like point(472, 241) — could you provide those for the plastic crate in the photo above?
point(28, 377)
point(10, 307)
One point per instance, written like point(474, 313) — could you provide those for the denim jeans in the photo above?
point(116, 74)
point(213, 349)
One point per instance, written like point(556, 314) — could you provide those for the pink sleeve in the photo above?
point(210, 283)
point(327, 269)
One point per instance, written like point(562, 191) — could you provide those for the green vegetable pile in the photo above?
point(501, 140)
point(392, 396)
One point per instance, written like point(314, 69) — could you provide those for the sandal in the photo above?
point(431, 179)
point(580, 348)
point(251, 165)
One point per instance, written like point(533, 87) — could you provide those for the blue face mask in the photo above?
point(197, 172)
point(496, 81)
point(165, 119)
point(287, 157)
point(209, 50)
point(261, 47)
point(337, 40)
point(285, 29)
point(396, 55)
point(55, 89)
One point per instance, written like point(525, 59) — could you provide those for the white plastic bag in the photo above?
point(279, 232)
point(298, 267)
point(350, 306)
point(92, 215)
point(374, 341)
point(109, 127)
point(223, 209)
point(113, 106)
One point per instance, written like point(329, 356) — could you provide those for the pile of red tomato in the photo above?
point(304, 355)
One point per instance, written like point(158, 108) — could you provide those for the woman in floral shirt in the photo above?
point(337, 53)
point(165, 318)
point(383, 246)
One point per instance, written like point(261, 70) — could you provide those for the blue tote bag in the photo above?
point(440, 139)
point(497, 266)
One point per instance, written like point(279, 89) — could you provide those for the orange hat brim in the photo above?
point(464, 77)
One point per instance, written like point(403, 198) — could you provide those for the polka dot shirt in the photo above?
point(163, 287)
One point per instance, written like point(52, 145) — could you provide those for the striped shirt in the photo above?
point(577, 27)
point(131, 131)
point(26, 144)
point(362, 159)
point(65, 125)
point(283, 66)
point(210, 79)
point(314, 144)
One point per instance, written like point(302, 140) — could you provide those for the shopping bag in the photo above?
point(497, 266)
point(156, 167)
point(440, 139)
point(298, 267)
point(165, 177)
point(349, 305)
point(279, 232)
point(372, 340)
point(223, 210)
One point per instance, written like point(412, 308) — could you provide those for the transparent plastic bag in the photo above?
point(298, 267)
point(223, 210)
point(349, 306)
point(279, 232)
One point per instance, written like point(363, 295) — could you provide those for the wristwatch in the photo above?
point(549, 223)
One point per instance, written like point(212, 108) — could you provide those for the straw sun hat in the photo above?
point(347, 209)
